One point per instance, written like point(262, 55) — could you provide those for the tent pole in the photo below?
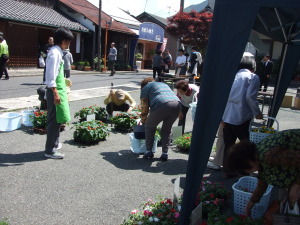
point(280, 22)
point(277, 82)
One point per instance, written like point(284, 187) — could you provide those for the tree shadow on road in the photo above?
point(126, 160)
point(20, 159)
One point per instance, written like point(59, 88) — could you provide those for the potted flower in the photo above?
point(124, 122)
point(138, 62)
point(213, 196)
point(39, 121)
point(80, 65)
point(73, 67)
point(100, 113)
point(161, 211)
point(183, 142)
point(86, 66)
point(91, 132)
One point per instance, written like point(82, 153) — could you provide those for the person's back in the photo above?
point(157, 60)
point(158, 93)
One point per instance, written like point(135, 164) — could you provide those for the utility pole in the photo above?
point(181, 5)
point(99, 36)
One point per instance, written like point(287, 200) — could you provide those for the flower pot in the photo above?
point(87, 68)
point(90, 142)
point(123, 129)
point(73, 67)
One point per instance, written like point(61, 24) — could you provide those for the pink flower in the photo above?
point(134, 211)
point(176, 215)
point(148, 213)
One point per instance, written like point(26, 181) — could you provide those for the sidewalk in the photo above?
point(23, 72)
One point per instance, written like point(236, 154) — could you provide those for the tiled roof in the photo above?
point(91, 12)
point(148, 17)
point(36, 14)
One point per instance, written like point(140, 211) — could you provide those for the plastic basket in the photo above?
point(10, 121)
point(26, 120)
point(241, 197)
point(138, 146)
point(255, 136)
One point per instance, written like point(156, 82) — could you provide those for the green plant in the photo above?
point(212, 195)
point(125, 120)
point(91, 132)
point(96, 60)
point(87, 64)
point(100, 113)
point(39, 119)
point(224, 219)
point(139, 56)
point(184, 142)
point(80, 63)
point(162, 211)
point(4, 222)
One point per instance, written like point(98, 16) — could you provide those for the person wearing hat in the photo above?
point(117, 101)
point(180, 63)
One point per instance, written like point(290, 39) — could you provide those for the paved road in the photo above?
point(93, 185)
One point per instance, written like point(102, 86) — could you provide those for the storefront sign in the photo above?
point(151, 32)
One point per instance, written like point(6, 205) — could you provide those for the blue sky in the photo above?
point(158, 7)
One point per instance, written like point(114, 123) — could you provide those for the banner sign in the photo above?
point(151, 32)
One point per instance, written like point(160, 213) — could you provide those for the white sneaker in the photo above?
point(55, 155)
point(210, 165)
point(211, 158)
point(59, 146)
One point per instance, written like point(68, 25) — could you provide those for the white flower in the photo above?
point(179, 207)
point(139, 223)
point(156, 219)
point(151, 219)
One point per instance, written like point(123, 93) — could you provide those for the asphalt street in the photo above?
point(93, 185)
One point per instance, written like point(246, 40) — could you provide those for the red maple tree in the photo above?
point(193, 28)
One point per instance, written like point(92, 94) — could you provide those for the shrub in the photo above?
point(184, 142)
point(125, 120)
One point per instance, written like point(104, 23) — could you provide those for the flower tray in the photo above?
point(44, 130)
point(90, 142)
point(123, 129)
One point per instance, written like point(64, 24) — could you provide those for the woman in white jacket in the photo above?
point(187, 93)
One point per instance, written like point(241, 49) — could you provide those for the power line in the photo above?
point(145, 5)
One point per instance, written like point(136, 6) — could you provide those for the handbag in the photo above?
point(139, 131)
point(42, 62)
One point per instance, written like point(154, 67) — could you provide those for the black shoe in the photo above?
point(111, 75)
point(148, 155)
point(164, 157)
point(6, 78)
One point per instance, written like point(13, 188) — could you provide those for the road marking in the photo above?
point(11, 104)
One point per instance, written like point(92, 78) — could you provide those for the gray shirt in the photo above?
point(68, 59)
point(112, 54)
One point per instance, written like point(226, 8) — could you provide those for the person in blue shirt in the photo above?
point(241, 107)
point(164, 107)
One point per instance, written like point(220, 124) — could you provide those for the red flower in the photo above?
point(204, 223)
point(169, 201)
point(229, 220)
point(211, 195)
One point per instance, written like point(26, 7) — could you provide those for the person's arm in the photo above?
point(108, 99)
point(256, 196)
point(144, 110)
point(251, 97)
point(53, 62)
point(131, 100)
point(71, 58)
